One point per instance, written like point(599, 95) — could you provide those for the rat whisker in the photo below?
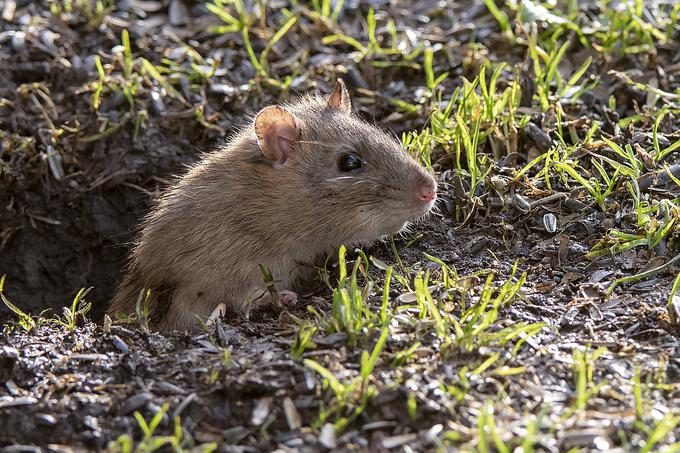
point(395, 188)
point(342, 178)
point(309, 142)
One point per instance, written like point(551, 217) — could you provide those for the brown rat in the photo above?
point(299, 181)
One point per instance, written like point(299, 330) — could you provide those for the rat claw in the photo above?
point(274, 301)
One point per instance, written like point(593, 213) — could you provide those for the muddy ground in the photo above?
point(75, 182)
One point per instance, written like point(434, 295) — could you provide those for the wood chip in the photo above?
point(292, 414)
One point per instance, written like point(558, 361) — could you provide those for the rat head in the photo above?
point(352, 181)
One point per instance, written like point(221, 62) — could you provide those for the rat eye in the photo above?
point(349, 162)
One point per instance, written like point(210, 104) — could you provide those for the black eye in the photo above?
point(349, 162)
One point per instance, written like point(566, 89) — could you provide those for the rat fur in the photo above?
point(274, 196)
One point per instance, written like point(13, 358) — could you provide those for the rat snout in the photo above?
point(426, 189)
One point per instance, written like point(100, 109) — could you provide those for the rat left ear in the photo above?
point(277, 132)
point(339, 98)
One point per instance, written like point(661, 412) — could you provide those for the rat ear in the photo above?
point(339, 98)
point(277, 132)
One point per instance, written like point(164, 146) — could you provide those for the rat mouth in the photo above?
point(412, 213)
point(381, 224)
point(421, 209)
point(427, 206)
point(408, 210)
point(392, 214)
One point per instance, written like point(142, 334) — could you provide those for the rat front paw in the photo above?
point(274, 301)
point(287, 297)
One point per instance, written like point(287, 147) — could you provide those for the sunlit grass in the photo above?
point(177, 441)
point(72, 315)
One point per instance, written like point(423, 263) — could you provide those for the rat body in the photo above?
point(297, 183)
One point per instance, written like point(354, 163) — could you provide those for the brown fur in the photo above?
point(235, 209)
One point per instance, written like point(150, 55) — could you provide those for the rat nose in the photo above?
point(426, 190)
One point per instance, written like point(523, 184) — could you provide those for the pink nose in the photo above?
point(426, 191)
